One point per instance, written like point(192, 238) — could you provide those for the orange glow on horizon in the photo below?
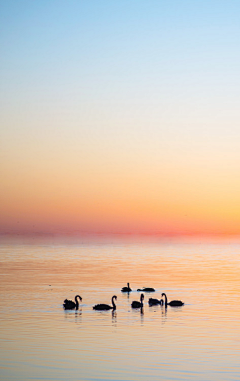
point(183, 197)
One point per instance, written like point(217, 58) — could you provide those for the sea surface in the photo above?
point(198, 341)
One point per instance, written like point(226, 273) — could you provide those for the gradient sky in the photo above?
point(120, 116)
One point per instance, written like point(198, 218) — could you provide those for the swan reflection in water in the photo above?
point(114, 317)
point(75, 316)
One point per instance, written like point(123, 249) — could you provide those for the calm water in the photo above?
point(41, 341)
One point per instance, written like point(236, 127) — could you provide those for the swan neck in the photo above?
point(113, 303)
point(166, 302)
point(76, 301)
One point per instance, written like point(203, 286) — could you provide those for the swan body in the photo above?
point(146, 289)
point(106, 307)
point(136, 304)
point(155, 302)
point(70, 305)
point(173, 303)
point(126, 289)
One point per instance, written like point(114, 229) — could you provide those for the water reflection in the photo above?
point(70, 314)
point(42, 338)
point(114, 316)
point(126, 295)
point(164, 311)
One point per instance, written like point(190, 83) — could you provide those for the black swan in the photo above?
point(70, 305)
point(173, 303)
point(105, 307)
point(126, 289)
point(146, 289)
point(136, 304)
point(155, 302)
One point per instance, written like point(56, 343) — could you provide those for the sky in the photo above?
point(120, 117)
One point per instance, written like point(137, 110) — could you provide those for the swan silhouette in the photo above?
point(70, 305)
point(155, 302)
point(146, 289)
point(126, 289)
point(105, 307)
point(173, 303)
point(136, 304)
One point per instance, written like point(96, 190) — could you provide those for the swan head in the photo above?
point(78, 296)
point(142, 297)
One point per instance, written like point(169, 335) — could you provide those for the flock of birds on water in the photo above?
point(71, 305)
